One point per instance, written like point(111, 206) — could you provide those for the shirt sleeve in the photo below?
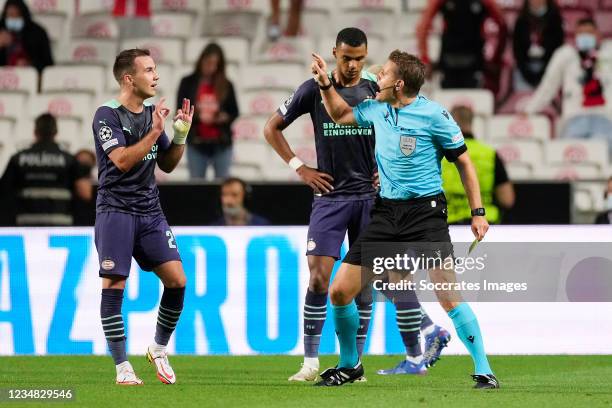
point(501, 176)
point(447, 134)
point(364, 112)
point(107, 130)
point(299, 102)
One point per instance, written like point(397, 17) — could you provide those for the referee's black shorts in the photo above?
point(419, 220)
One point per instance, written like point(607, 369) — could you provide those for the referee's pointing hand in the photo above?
point(480, 226)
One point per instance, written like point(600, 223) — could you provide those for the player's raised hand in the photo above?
point(320, 182)
point(185, 112)
point(480, 226)
point(159, 115)
point(319, 69)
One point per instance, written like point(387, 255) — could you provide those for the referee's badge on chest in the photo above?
point(407, 144)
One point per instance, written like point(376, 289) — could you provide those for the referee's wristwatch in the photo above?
point(478, 212)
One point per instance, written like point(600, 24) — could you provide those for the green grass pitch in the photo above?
point(261, 381)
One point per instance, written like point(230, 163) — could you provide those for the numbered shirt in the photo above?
point(344, 152)
point(135, 191)
point(410, 143)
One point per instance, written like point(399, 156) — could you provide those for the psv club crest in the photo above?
point(407, 145)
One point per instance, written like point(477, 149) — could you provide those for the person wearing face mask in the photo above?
point(605, 217)
point(22, 41)
point(586, 87)
point(234, 192)
point(538, 32)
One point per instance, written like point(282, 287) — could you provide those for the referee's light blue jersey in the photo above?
point(410, 143)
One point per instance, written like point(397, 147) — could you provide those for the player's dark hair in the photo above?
point(45, 127)
point(124, 62)
point(219, 78)
point(586, 21)
point(410, 69)
point(352, 37)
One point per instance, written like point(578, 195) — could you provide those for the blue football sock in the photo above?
point(346, 320)
point(468, 331)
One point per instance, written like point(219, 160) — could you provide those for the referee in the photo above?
point(43, 180)
point(412, 135)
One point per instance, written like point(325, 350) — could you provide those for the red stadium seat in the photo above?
point(240, 18)
point(604, 23)
point(289, 50)
point(590, 5)
point(507, 5)
point(95, 26)
point(570, 18)
point(192, 6)
point(606, 4)
point(249, 128)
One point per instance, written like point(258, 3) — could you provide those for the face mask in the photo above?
point(14, 24)
point(539, 12)
point(232, 211)
point(609, 202)
point(586, 42)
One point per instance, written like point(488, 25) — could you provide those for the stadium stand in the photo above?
point(85, 39)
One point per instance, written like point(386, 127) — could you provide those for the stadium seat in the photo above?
point(606, 4)
point(192, 6)
point(480, 100)
point(101, 26)
point(390, 6)
point(173, 24)
point(66, 105)
point(249, 128)
point(247, 172)
point(89, 51)
point(570, 18)
point(61, 78)
point(235, 18)
point(288, 50)
point(6, 131)
point(519, 127)
point(300, 131)
point(588, 196)
point(71, 135)
point(567, 172)
point(163, 50)
point(588, 5)
point(273, 77)
point(375, 23)
point(417, 5)
point(604, 22)
point(251, 152)
point(605, 51)
point(510, 4)
point(578, 152)
point(95, 7)
point(54, 24)
point(524, 153)
point(19, 79)
point(261, 102)
point(235, 49)
point(518, 171)
point(12, 105)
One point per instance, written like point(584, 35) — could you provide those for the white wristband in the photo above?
point(295, 163)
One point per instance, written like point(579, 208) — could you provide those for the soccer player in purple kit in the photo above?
point(344, 193)
point(130, 140)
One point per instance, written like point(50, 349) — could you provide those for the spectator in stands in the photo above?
point(22, 41)
point(586, 102)
point(496, 189)
point(293, 21)
point(87, 159)
point(235, 194)
point(210, 136)
point(43, 179)
point(462, 61)
point(606, 216)
point(133, 18)
point(538, 32)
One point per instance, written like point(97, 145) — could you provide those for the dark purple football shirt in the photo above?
point(344, 152)
point(135, 191)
